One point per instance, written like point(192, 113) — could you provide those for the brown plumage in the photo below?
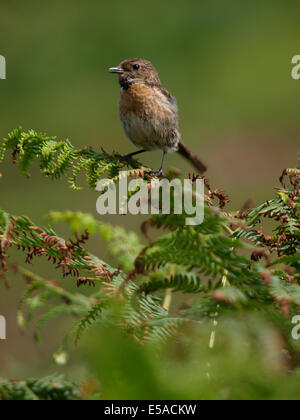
point(149, 113)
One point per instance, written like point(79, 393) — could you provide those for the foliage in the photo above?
point(229, 265)
point(245, 363)
point(59, 158)
point(52, 388)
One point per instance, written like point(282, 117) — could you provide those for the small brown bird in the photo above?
point(149, 113)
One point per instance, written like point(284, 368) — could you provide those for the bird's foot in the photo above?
point(157, 174)
point(121, 158)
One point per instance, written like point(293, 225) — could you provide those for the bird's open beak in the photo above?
point(117, 70)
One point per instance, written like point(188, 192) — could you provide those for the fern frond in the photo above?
point(57, 157)
point(185, 282)
point(51, 388)
point(122, 245)
point(88, 319)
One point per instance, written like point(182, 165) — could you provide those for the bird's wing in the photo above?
point(173, 103)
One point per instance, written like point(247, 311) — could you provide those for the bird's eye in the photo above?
point(136, 67)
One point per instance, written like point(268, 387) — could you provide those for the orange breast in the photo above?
point(145, 101)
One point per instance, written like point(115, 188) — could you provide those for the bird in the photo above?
point(149, 113)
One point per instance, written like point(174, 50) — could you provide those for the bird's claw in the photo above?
point(121, 158)
point(157, 174)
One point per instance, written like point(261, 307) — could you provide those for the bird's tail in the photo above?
point(195, 161)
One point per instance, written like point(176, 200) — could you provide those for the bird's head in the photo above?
point(136, 70)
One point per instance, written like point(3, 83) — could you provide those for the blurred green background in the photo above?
point(228, 64)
